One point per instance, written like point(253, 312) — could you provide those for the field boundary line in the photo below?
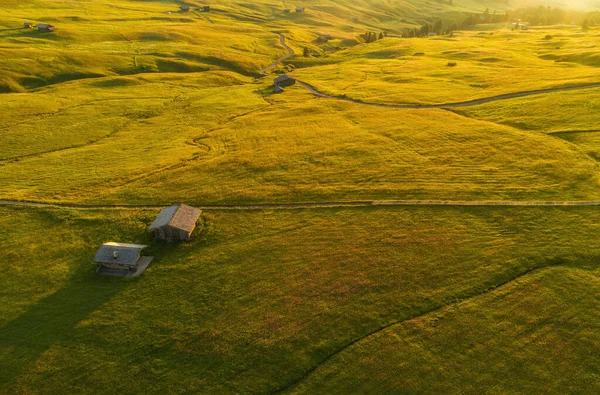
point(308, 205)
point(457, 301)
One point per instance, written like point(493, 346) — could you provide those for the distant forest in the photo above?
point(533, 16)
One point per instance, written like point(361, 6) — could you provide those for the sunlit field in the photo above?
point(135, 103)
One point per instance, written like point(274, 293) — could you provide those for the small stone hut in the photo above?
point(121, 259)
point(299, 9)
point(28, 25)
point(206, 8)
point(278, 89)
point(175, 222)
point(184, 8)
point(284, 80)
point(44, 27)
point(286, 10)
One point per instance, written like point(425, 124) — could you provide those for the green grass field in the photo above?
point(135, 103)
point(232, 313)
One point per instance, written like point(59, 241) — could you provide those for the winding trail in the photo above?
point(322, 205)
point(468, 103)
point(290, 53)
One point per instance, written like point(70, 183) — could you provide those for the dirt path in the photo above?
point(290, 53)
point(468, 103)
point(323, 205)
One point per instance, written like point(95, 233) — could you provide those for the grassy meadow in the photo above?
point(258, 299)
point(135, 103)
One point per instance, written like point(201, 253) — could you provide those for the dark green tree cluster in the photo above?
point(437, 27)
point(485, 17)
point(371, 37)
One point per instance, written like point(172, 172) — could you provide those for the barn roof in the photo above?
point(126, 254)
point(180, 216)
point(43, 25)
point(283, 78)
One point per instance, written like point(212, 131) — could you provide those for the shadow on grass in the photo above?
point(51, 321)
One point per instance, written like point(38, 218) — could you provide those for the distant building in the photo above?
point(432, 34)
point(324, 38)
point(121, 259)
point(206, 8)
point(184, 8)
point(175, 222)
point(28, 25)
point(299, 9)
point(284, 80)
point(287, 10)
point(519, 26)
point(44, 27)
point(278, 89)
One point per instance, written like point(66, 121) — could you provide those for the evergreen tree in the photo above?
point(438, 27)
point(453, 27)
point(586, 26)
point(381, 36)
point(486, 16)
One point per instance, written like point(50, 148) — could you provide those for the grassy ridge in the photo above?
point(535, 334)
point(95, 38)
point(229, 312)
point(415, 71)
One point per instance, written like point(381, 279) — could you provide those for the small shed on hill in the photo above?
point(175, 222)
point(284, 80)
point(286, 10)
point(121, 259)
point(299, 9)
point(278, 89)
point(44, 27)
point(206, 8)
point(28, 25)
point(184, 8)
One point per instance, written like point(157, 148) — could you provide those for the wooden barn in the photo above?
point(184, 8)
point(44, 27)
point(284, 80)
point(299, 9)
point(175, 223)
point(121, 259)
point(28, 25)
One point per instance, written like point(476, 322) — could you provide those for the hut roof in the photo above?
point(283, 78)
point(180, 216)
point(119, 253)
